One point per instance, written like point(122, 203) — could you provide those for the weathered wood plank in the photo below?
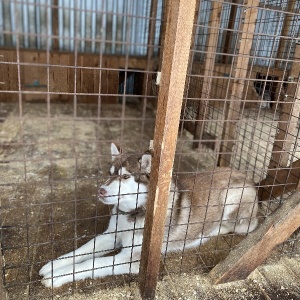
point(174, 67)
point(34, 77)
point(151, 63)
point(8, 75)
point(33, 67)
point(257, 246)
point(288, 119)
point(240, 75)
point(209, 64)
point(285, 31)
point(229, 33)
point(279, 182)
point(60, 80)
point(55, 24)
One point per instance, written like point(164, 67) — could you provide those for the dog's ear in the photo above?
point(146, 162)
point(115, 151)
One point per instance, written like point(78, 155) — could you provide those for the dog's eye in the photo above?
point(125, 176)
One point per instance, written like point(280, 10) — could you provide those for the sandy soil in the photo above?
point(51, 166)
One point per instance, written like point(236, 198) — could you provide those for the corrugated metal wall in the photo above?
point(109, 26)
point(269, 25)
point(122, 27)
point(268, 30)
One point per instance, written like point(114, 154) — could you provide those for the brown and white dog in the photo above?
point(200, 206)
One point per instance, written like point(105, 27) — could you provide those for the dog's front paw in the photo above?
point(55, 265)
point(46, 269)
point(57, 278)
point(51, 282)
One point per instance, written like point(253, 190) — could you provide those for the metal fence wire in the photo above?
point(83, 94)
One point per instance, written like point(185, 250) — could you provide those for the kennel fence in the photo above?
point(68, 71)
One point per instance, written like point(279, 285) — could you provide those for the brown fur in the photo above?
point(198, 209)
point(204, 191)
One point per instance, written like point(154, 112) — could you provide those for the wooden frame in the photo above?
point(283, 177)
point(287, 124)
point(285, 28)
point(55, 24)
point(240, 71)
point(174, 66)
point(209, 64)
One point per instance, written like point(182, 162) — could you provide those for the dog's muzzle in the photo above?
point(102, 193)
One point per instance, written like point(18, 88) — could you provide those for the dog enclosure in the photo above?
point(212, 83)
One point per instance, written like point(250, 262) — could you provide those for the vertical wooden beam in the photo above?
point(8, 40)
point(190, 82)
point(162, 34)
point(288, 119)
point(285, 31)
point(229, 34)
point(150, 49)
point(211, 49)
point(239, 78)
point(55, 45)
point(151, 36)
point(174, 66)
point(257, 246)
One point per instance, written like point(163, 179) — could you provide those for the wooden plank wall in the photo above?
point(33, 70)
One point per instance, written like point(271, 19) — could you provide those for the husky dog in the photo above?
point(200, 206)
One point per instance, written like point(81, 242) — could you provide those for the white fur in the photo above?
point(88, 261)
point(126, 195)
point(112, 170)
point(114, 151)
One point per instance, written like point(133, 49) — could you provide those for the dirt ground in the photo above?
point(51, 163)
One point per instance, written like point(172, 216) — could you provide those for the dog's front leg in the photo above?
point(99, 246)
point(125, 262)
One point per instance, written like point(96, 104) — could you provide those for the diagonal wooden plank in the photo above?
point(257, 246)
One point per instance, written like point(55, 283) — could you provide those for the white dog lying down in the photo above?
point(200, 206)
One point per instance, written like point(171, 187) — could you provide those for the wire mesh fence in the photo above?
point(82, 76)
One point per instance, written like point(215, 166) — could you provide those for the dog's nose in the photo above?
point(102, 192)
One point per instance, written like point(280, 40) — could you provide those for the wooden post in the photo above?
point(229, 34)
point(257, 246)
point(174, 66)
point(151, 63)
point(162, 33)
point(285, 31)
point(151, 36)
point(239, 75)
point(55, 24)
point(189, 126)
point(287, 124)
point(211, 49)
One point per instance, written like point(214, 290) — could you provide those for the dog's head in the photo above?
point(128, 179)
